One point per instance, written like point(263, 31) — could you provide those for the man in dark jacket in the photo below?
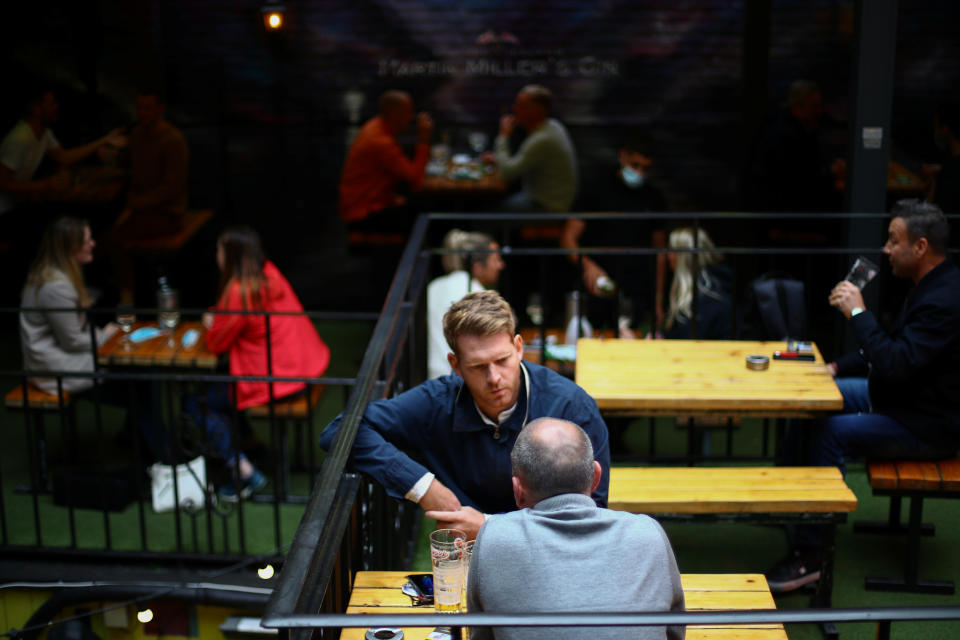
point(445, 444)
point(909, 404)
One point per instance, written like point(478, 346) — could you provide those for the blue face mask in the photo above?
point(631, 177)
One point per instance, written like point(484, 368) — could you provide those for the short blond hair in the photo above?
point(481, 313)
point(473, 241)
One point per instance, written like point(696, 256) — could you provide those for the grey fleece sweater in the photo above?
point(568, 555)
point(546, 163)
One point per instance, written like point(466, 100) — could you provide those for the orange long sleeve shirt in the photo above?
point(375, 166)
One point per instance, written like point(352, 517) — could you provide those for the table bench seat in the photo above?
point(733, 490)
point(35, 399)
point(916, 480)
point(810, 495)
point(379, 592)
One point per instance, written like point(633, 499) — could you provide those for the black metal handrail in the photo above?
point(884, 617)
point(307, 558)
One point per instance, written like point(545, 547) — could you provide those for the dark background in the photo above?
point(265, 118)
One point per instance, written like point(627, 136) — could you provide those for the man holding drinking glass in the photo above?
point(908, 406)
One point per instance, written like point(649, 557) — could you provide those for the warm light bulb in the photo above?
point(145, 616)
point(265, 572)
point(274, 20)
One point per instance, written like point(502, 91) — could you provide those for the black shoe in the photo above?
point(799, 568)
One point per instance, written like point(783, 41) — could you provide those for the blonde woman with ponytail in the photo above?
point(713, 287)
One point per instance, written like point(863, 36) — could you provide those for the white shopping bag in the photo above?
point(191, 483)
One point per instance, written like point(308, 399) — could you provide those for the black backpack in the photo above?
point(775, 309)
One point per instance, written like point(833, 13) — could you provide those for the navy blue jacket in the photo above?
point(438, 423)
point(915, 369)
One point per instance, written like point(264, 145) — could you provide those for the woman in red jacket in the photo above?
point(249, 282)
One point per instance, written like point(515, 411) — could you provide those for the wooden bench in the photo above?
point(915, 480)
point(172, 243)
point(760, 495)
point(297, 411)
point(379, 592)
point(35, 403)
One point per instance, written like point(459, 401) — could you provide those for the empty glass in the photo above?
point(477, 141)
point(862, 272)
point(126, 318)
point(168, 304)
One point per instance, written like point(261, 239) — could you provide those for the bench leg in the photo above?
point(823, 594)
point(910, 582)
point(892, 525)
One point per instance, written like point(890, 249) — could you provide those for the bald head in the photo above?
point(552, 457)
point(396, 108)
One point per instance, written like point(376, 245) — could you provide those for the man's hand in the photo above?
point(507, 124)
point(466, 519)
point(424, 128)
point(846, 297)
point(591, 273)
point(439, 498)
point(832, 368)
point(115, 138)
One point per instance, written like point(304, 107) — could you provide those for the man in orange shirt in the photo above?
point(376, 165)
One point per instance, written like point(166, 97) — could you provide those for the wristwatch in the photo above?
point(856, 311)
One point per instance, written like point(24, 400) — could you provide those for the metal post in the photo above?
point(868, 145)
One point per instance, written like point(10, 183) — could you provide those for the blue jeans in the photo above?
point(857, 432)
point(215, 420)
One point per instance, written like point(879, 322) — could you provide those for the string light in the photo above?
point(145, 615)
point(272, 15)
point(265, 572)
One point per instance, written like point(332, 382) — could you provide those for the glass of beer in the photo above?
point(446, 552)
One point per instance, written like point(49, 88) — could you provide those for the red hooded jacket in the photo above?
point(295, 347)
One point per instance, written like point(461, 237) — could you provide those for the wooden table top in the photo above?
point(723, 490)
point(158, 351)
point(379, 592)
point(689, 377)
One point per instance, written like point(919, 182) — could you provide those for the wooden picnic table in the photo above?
point(379, 592)
point(696, 377)
point(159, 351)
point(450, 183)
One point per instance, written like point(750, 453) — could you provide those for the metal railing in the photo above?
point(318, 574)
point(72, 509)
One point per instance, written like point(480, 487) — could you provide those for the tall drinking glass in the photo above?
point(467, 556)
point(862, 272)
point(477, 141)
point(168, 303)
point(126, 318)
point(446, 552)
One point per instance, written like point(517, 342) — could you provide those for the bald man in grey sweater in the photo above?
point(562, 553)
